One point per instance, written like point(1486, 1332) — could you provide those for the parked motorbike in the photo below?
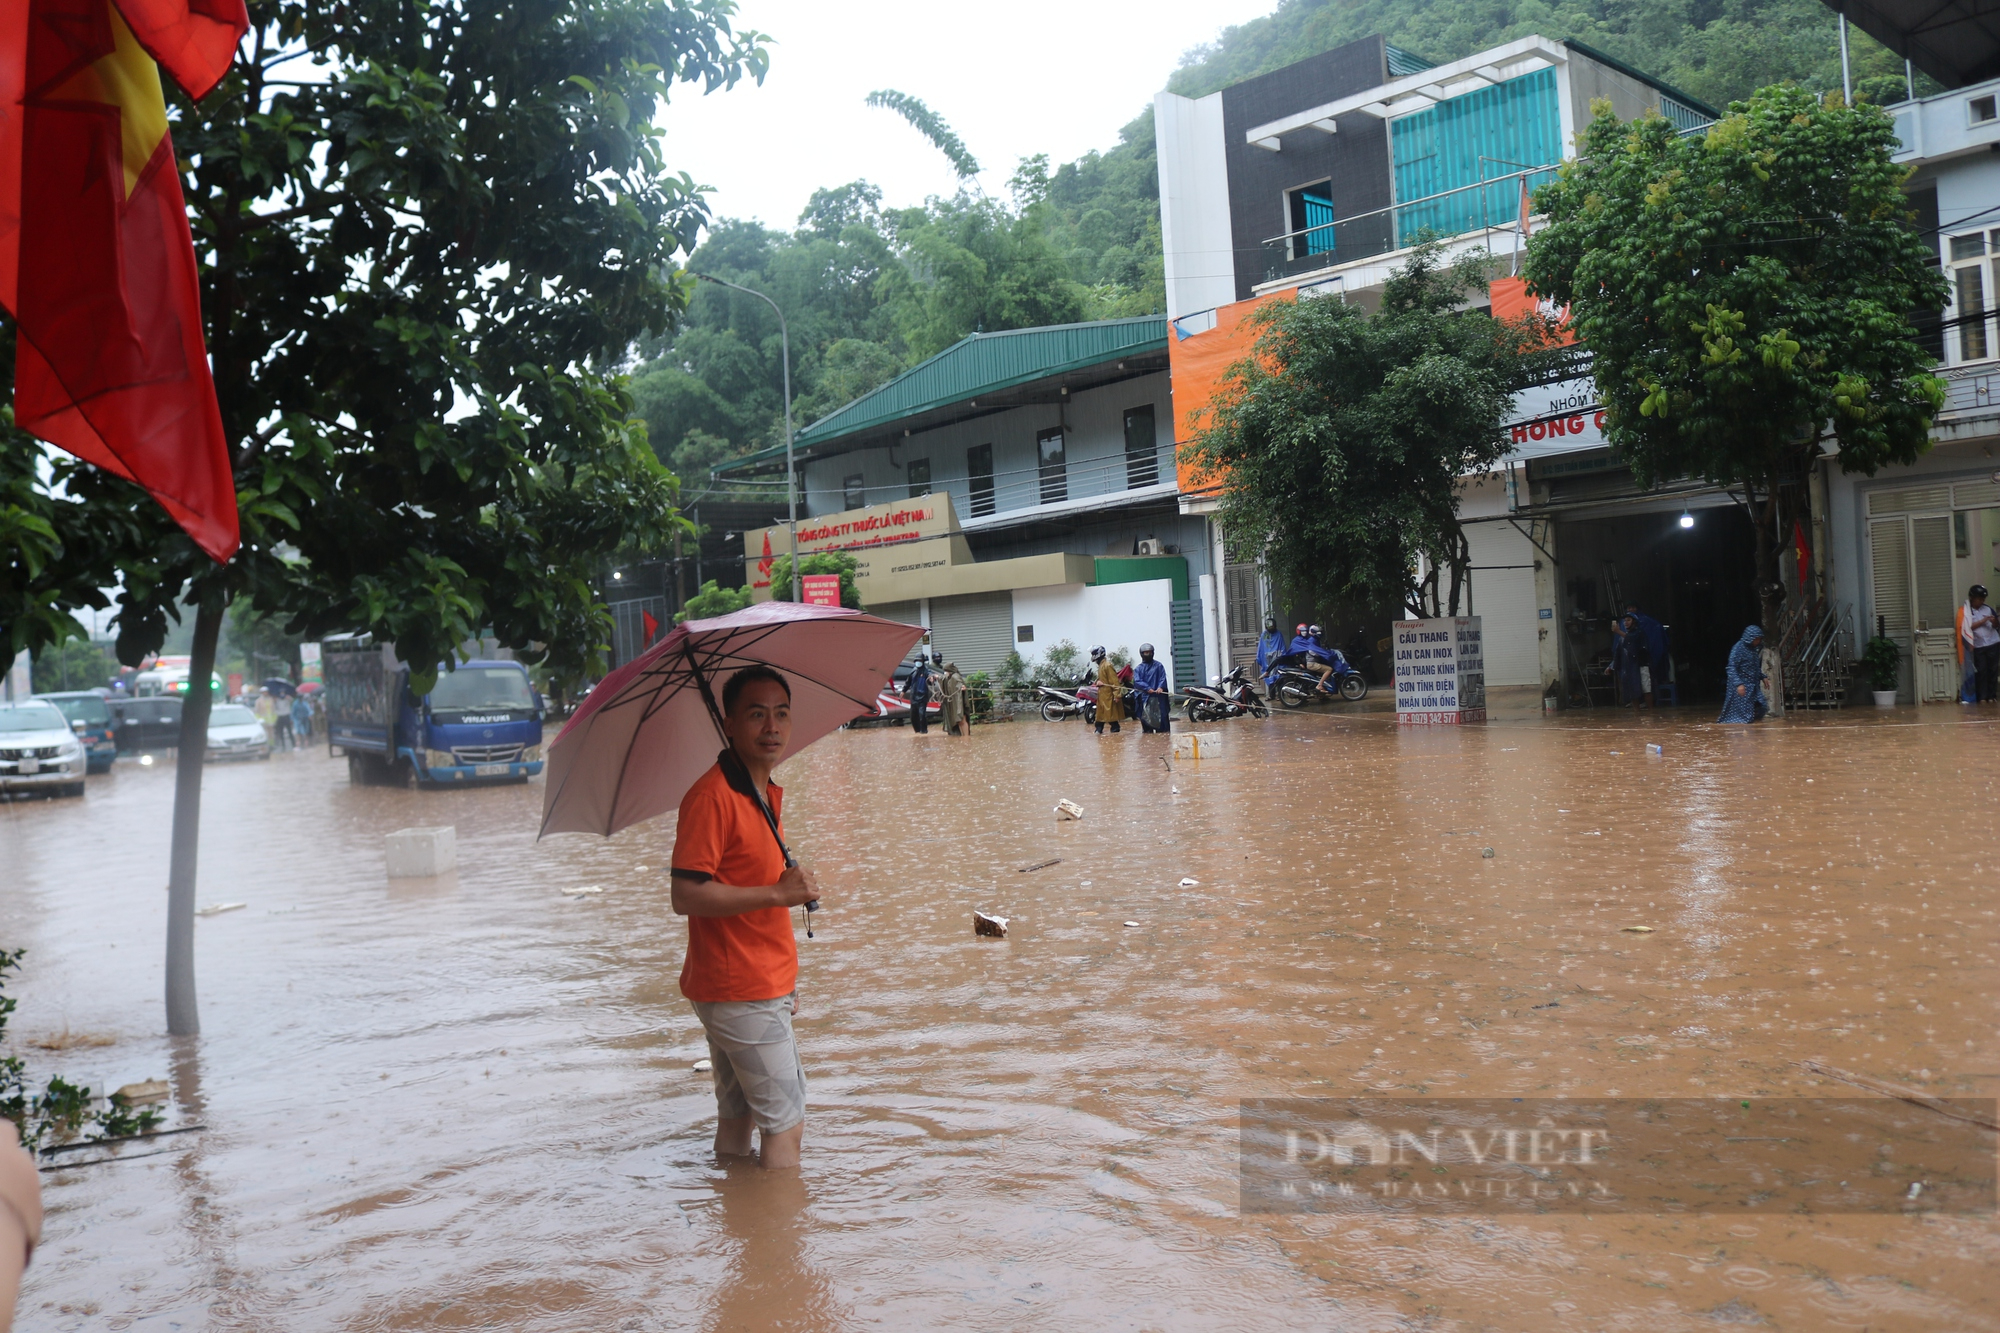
point(1231, 696)
point(1059, 704)
point(1296, 687)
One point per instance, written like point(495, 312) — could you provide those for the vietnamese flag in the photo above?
point(97, 263)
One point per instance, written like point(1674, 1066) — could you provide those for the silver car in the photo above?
point(235, 733)
point(38, 749)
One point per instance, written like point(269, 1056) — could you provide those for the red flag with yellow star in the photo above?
point(97, 264)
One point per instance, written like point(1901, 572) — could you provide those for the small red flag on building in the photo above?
point(97, 264)
point(1802, 551)
point(650, 625)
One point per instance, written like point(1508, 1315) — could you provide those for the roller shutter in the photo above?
point(975, 630)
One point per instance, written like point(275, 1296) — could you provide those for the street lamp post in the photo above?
point(791, 474)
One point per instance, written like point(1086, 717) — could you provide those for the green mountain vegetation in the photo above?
point(869, 291)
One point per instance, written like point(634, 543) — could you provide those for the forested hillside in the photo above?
point(871, 291)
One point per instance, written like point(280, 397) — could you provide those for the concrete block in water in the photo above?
point(420, 853)
point(1197, 744)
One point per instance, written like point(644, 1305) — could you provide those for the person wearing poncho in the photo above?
point(1743, 691)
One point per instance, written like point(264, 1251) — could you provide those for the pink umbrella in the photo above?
point(652, 727)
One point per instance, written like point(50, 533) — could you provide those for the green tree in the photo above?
point(712, 601)
point(1746, 297)
point(75, 664)
point(1344, 436)
point(825, 562)
point(427, 232)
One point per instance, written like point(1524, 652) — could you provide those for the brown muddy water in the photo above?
point(470, 1104)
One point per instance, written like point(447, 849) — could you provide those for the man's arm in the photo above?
point(710, 897)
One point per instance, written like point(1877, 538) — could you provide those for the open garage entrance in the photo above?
point(1697, 578)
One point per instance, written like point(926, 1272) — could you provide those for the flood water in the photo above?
point(470, 1104)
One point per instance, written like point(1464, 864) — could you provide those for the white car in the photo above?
point(235, 733)
point(38, 749)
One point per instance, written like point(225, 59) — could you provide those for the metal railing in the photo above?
point(1480, 206)
point(1815, 651)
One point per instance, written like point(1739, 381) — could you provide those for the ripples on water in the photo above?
point(470, 1103)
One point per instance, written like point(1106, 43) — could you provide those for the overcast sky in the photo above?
point(1031, 76)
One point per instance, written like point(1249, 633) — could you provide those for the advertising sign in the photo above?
point(916, 532)
point(1440, 672)
point(821, 589)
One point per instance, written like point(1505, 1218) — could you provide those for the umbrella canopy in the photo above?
point(279, 685)
point(649, 729)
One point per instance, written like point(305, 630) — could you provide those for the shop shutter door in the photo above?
point(1240, 584)
point(1930, 545)
point(1889, 562)
point(906, 612)
point(975, 630)
point(1188, 648)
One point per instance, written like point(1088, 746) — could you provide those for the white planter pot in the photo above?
point(1885, 698)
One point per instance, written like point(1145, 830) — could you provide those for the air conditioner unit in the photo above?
point(1150, 546)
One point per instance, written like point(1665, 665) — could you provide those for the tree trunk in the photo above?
point(183, 1015)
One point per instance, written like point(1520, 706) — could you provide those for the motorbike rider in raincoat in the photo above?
point(1270, 647)
point(1110, 692)
point(1150, 678)
point(1317, 656)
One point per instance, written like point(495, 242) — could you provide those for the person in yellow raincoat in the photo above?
point(1110, 692)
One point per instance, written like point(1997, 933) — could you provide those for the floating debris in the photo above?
point(1655, 749)
point(1637, 930)
point(1042, 865)
point(995, 926)
point(582, 889)
point(1190, 882)
point(217, 909)
point(1068, 809)
point(139, 1094)
point(1486, 853)
point(703, 1066)
point(1131, 923)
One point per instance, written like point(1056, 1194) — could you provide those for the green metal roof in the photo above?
point(981, 363)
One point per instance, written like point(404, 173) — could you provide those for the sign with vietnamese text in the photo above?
point(1440, 671)
point(917, 532)
point(821, 589)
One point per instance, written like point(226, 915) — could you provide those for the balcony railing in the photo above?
point(1487, 204)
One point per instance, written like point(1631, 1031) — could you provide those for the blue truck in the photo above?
point(480, 723)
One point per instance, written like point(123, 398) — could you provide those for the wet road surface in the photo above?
point(470, 1103)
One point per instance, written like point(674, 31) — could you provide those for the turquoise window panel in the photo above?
point(1452, 148)
point(1319, 223)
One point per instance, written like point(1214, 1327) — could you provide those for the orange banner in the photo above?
point(1512, 300)
point(1198, 363)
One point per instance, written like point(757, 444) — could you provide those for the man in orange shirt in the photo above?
point(736, 883)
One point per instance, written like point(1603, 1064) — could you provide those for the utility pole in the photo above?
point(791, 472)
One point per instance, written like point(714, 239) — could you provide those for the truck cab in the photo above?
point(481, 721)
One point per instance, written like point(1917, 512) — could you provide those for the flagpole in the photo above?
point(791, 472)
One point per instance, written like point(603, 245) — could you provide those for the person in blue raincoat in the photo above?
point(1743, 692)
point(919, 690)
point(1656, 668)
point(1316, 656)
point(1150, 679)
point(1270, 647)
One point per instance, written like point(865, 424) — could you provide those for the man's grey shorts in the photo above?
point(755, 1060)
